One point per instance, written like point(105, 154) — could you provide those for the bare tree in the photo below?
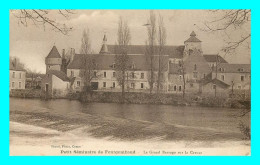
point(161, 41)
point(43, 18)
point(150, 50)
point(122, 59)
point(89, 63)
point(228, 21)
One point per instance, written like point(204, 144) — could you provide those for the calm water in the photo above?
point(223, 119)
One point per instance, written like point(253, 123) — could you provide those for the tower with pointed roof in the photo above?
point(104, 49)
point(191, 44)
point(53, 61)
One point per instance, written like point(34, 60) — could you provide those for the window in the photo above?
point(114, 84)
point(105, 74)
point(13, 74)
point(114, 65)
point(142, 85)
point(180, 76)
point(20, 75)
point(20, 85)
point(95, 74)
point(204, 75)
point(214, 86)
point(239, 87)
point(221, 69)
point(223, 77)
point(78, 83)
point(175, 88)
point(179, 87)
point(114, 74)
point(133, 75)
point(72, 73)
point(49, 66)
point(195, 67)
point(241, 69)
point(191, 85)
point(195, 74)
point(132, 85)
point(142, 75)
point(242, 78)
point(104, 84)
point(12, 84)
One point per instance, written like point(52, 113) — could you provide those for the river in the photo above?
point(127, 122)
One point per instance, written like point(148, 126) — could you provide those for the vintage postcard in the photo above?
point(130, 82)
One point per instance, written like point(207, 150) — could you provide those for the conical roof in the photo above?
point(104, 48)
point(54, 53)
point(193, 38)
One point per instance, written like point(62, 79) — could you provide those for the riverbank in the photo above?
point(140, 98)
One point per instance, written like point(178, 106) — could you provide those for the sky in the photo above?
point(31, 44)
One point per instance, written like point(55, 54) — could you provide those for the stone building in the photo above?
point(183, 68)
point(17, 75)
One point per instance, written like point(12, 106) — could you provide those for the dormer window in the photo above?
point(241, 69)
point(114, 65)
point(133, 66)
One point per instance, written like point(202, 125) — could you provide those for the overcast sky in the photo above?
point(32, 44)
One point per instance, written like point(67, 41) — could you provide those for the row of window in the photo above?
point(132, 74)
point(20, 75)
point(175, 88)
point(132, 85)
point(19, 85)
point(242, 78)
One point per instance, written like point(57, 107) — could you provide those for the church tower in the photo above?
point(53, 61)
point(104, 49)
point(191, 44)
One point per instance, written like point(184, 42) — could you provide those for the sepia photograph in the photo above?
point(130, 82)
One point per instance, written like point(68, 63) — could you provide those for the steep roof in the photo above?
point(233, 68)
point(61, 75)
point(54, 53)
point(218, 83)
point(213, 58)
point(105, 62)
point(193, 38)
point(172, 51)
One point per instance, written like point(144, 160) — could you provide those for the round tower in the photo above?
point(191, 44)
point(53, 61)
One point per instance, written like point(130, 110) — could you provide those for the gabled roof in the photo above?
point(172, 51)
point(193, 38)
point(61, 75)
point(213, 58)
point(105, 62)
point(54, 53)
point(233, 68)
point(217, 82)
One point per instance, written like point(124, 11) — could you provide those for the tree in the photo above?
point(161, 41)
point(150, 49)
point(236, 22)
point(122, 59)
point(43, 18)
point(89, 70)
